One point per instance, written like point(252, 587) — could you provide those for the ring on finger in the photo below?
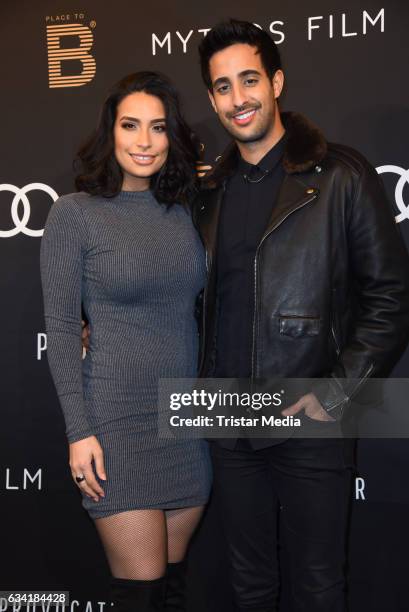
point(80, 478)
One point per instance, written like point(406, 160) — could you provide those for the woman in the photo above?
point(124, 249)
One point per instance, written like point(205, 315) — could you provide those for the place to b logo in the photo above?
point(61, 50)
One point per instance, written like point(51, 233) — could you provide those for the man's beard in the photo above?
point(259, 134)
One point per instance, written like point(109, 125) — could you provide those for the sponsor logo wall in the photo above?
point(344, 63)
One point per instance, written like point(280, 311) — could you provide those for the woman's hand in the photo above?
point(82, 453)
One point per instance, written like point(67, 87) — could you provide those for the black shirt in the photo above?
point(244, 217)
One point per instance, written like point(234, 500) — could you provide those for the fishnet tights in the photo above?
point(139, 543)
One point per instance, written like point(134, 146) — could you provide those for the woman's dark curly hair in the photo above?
point(98, 170)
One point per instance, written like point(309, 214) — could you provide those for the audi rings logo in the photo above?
point(20, 195)
point(400, 185)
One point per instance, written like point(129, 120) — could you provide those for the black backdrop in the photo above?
point(346, 68)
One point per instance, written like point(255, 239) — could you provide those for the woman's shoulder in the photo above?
point(69, 210)
point(76, 200)
point(72, 205)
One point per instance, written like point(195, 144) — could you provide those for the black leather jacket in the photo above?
point(331, 272)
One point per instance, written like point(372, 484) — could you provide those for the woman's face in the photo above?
point(140, 139)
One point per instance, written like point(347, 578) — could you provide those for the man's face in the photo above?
point(242, 94)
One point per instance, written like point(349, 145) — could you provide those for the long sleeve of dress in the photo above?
point(61, 259)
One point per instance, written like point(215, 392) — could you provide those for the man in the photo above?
point(307, 277)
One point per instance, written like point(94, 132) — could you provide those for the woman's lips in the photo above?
point(142, 160)
point(245, 117)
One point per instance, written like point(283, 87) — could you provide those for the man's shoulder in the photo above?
point(201, 202)
point(346, 158)
point(206, 194)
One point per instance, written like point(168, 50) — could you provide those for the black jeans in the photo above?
point(307, 482)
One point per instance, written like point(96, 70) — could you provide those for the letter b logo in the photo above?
point(59, 52)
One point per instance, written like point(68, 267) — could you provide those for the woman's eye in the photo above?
point(159, 128)
point(128, 126)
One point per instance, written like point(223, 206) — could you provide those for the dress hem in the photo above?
point(164, 506)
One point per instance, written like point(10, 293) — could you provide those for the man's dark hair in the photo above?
point(234, 32)
point(98, 170)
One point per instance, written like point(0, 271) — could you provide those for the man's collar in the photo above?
point(266, 163)
point(304, 147)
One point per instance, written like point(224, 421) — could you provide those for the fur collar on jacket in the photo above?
point(305, 148)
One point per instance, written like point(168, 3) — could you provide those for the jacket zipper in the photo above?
point(299, 317)
point(363, 378)
point(337, 347)
point(359, 384)
point(255, 273)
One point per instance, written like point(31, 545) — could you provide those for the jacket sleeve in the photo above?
point(61, 261)
point(379, 267)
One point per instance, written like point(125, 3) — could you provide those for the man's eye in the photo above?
point(251, 81)
point(222, 89)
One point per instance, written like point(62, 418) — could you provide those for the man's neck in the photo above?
point(253, 152)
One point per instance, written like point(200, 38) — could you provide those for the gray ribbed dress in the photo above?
point(136, 268)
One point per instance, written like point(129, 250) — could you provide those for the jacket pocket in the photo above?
point(299, 326)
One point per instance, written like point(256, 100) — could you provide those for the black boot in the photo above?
point(175, 599)
point(138, 595)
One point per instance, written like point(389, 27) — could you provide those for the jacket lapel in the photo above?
point(293, 194)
